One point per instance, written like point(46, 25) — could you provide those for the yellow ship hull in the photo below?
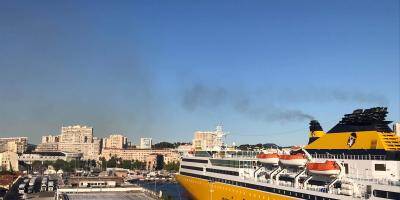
point(200, 189)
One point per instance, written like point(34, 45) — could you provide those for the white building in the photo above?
point(146, 143)
point(15, 144)
point(9, 161)
point(73, 139)
point(48, 156)
point(76, 134)
point(184, 149)
point(209, 140)
point(116, 141)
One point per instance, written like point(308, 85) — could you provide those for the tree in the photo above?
point(172, 166)
point(112, 162)
point(138, 165)
point(103, 163)
point(164, 145)
point(93, 163)
point(36, 165)
point(127, 164)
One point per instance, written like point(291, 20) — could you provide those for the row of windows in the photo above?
point(386, 194)
point(192, 168)
point(259, 187)
point(194, 160)
point(219, 171)
point(233, 163)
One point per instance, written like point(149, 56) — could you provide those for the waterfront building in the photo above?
point(15, 144)
point(49, 156)
point(184, 149)
point(173, 157)
point(89, 150)
point(47, 147)
point(151, 161)
point(9, 161)
point(146, 143)
point(116, 141)
point(137, 154)
point(73, 139)
point(209, 140)
point(93, 182)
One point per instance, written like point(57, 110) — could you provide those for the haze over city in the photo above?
point(164, 69)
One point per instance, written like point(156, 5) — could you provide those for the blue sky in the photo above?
point(164, 69)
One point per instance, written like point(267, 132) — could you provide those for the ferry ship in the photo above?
point(359, 158)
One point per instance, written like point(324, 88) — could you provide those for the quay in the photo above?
point(131, 192)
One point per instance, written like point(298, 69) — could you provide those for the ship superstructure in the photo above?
point(359, 158)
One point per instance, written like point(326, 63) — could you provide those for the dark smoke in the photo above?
point(202, 96)
point(207, 97)
point(322, 95)
point(269, 112)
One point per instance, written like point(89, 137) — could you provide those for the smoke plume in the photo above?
point(207, 97)
point(203, 96)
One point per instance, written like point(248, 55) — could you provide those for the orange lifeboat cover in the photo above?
point(327, 165)
point(269, 155)
point(292, 157)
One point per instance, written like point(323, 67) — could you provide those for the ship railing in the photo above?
point(317, 189)
point(349, 157)
point(378, 181)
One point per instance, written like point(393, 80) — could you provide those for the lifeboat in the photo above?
point(328, 168)
point(271, 158)
point(293, 160)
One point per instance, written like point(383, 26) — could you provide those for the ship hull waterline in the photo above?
point(200, 189)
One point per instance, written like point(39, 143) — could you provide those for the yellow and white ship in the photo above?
point(359, 158)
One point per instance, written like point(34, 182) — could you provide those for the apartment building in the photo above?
point(115, 141)
point(14, 144)
point(139, 154)
point(73, 139)
point(9, 161)
point(209, 140)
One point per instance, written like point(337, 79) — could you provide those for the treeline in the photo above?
point(66, 166)
point(165, 145)
point(118, 162)
point(113, 162)
point(250, 147)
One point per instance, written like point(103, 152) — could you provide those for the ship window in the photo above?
point(194, 160)
point(192, 168)
point(380, 167)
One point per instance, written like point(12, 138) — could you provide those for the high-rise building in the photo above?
point(209, 140)
point(115, 141)
point(76, 134)
point(73, 139)
point(146, 143)
point(15, 144)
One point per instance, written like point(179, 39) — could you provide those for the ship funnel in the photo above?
point(316, 131)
